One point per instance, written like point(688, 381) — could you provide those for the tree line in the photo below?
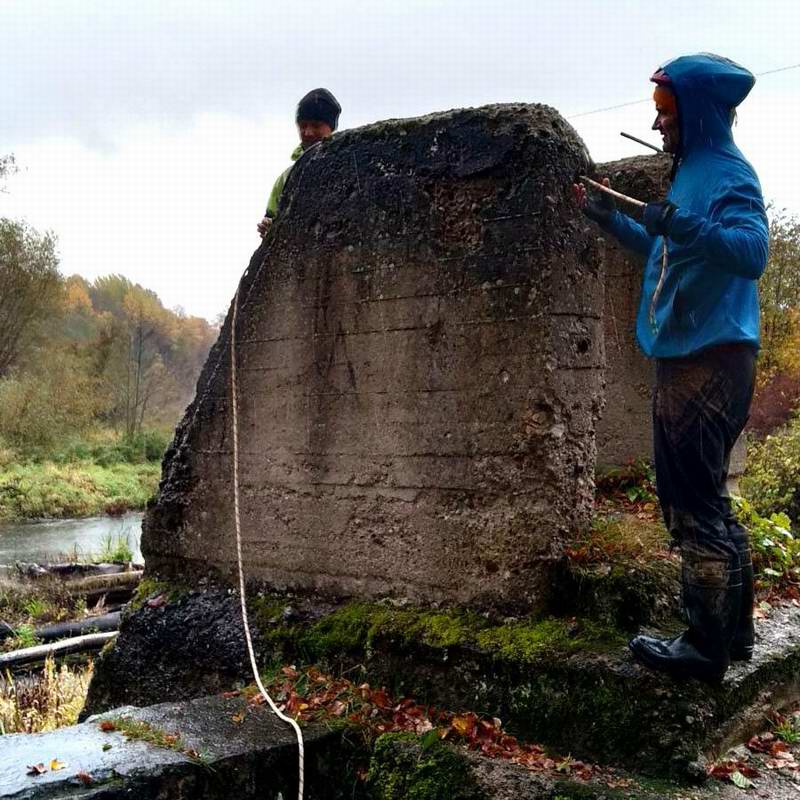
point(78, 355)
point(75, 354)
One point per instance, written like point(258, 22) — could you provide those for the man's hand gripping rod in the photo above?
point(664, 250)
point(607, 190)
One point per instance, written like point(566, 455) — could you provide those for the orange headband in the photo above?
point(665, 99)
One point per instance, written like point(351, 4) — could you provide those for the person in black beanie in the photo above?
point(317, 118)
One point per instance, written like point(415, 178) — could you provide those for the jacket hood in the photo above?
point(708, 88)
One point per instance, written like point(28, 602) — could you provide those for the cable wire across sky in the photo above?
point(649, 99)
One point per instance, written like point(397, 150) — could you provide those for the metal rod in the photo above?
point(617, 195)
point(641, 141)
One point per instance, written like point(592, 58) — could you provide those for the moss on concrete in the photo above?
point(401, 769)
point(527, 642)
point(357, 628)
point(152, 587)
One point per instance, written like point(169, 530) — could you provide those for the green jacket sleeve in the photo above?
point(275, 194)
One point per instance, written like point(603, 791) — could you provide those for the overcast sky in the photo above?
point(149, 133)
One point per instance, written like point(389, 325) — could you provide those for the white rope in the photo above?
point(245, 623)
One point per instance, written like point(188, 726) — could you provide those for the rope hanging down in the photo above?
point(245, 622)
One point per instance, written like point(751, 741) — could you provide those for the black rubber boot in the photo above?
point(741, 648)
point(712, 588)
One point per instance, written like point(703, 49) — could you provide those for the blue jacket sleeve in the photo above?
point(629, 232)
point(734, 239)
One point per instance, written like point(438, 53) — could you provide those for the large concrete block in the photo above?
point(419, 373)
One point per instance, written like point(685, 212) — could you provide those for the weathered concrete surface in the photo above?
point(253, 758)
point(420, 366)
point(180, 651)
point(624, 433)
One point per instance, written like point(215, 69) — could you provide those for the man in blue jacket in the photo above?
point(706, 246)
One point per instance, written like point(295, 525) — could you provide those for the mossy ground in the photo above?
point(402, 769)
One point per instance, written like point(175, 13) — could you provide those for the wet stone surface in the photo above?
point(254, 757)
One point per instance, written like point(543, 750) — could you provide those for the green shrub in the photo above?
point(772, 479)
point(56, 399)
point(101, 447)
point(776, 552)
point(635, 481)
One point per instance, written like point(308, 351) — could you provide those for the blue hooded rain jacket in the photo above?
point(718, 236)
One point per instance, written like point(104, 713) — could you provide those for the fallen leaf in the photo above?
point(85, 778)
point(107, 746)
point(737, 779)
point(464, 724)
point(238, 717)
point(107, 726)
point(157, 602)
point(56, 765)
point(37, 769)
point(380, 698)
point(228, 695)
point(429, 739)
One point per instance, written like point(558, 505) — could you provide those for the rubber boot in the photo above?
point(712, 588)
point(741, 648)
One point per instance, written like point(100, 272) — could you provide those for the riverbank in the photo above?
point(81, 489)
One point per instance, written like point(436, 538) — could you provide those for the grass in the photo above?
point(145, 732)
point(37, 603)
point(49, 490)
point(24, 636)
point(113, 550)
point(621, 537)
point(43, 701)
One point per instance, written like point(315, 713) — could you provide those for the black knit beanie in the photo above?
point(319, 105)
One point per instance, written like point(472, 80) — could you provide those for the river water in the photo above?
point(59, 539)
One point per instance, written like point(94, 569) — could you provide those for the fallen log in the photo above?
point(77, 570)
point(105, 584)
point(79, 644)
point(63, 630)
point(68, 570)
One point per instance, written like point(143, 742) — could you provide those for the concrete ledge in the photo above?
point(256, 757)
point(568, 683)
